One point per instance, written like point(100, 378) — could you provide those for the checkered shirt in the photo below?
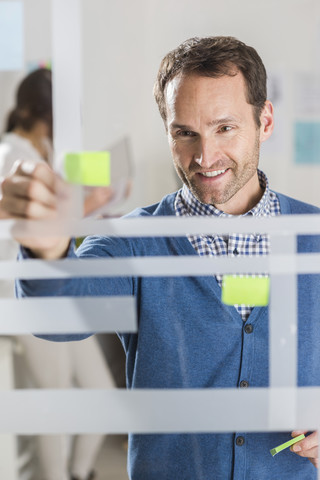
point(235, 244)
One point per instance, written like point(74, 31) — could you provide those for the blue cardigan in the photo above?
point(188, 339)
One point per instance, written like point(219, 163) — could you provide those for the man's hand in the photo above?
point(32, 191)
point(308, 447)
point(96, 198)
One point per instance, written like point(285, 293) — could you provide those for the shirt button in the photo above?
point(248, 328)
point(239, 441)
point(244, 384)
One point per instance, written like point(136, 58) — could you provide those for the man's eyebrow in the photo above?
point(213, 123)
point(179, 126)
point(223, 120)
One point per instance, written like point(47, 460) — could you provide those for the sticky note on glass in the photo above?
point(245, 290)
point(11, 35)
point(87, 168)
point(288, 444)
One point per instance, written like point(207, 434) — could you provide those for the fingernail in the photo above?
point(296, 448)
point(28, 167)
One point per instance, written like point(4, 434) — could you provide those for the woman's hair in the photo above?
point(214, 57)
point(33, 102)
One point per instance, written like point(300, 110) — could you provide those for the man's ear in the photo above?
point(267, 121)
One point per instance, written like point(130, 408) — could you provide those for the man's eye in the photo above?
point(225, 128)
point(185, 133)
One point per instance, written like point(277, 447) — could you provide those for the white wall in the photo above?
point(123, 43)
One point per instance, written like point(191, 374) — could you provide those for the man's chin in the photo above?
point(206, 199)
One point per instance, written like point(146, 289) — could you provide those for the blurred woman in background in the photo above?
point(28, 135)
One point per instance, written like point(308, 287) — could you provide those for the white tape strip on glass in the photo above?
point(67, 315)
point(67, 92)
point(169, 266)
point(151, 411)
point(283, 318)
point(169, 226)
point(66, 75)
point(283, 337)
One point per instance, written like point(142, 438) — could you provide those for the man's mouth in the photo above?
point(213, 174)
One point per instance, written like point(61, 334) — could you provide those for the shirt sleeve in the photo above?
point(93, 247)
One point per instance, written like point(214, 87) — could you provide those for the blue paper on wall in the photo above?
point(307, 143)
point(11, 35)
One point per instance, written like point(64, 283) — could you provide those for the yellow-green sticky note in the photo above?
point(245, 290)
point(87, 168)
point(278, 449)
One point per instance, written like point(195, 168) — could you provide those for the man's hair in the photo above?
point(214, 57)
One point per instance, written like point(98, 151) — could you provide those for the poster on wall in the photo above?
point(307, 142)
point(11, 35)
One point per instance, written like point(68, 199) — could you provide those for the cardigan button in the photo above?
point(240, 441)
point(248, 328)
point(244, 384)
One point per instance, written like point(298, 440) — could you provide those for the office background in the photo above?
point(123, 43)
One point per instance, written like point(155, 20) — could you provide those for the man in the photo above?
point(211, 93)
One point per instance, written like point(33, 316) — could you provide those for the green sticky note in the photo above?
point(278, 449)
point(87, 168)
point(246, 290)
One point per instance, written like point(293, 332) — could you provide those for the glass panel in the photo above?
point(213, 387)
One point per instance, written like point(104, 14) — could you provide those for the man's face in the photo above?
point(215, 141)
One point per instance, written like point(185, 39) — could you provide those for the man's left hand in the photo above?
point(308, 447)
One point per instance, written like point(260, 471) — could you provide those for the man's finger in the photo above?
point(296, 433)
point(38, 171)
point(308, 447)
point(308, 442)
point(22, 208)
point(309, 453)
point(28, 189)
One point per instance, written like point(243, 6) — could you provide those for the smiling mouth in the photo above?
point(213, 174)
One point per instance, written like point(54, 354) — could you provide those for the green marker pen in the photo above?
point(288, 444)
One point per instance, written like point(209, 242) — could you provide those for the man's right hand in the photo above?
point(32, 191)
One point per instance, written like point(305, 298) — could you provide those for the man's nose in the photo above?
point(209, 153)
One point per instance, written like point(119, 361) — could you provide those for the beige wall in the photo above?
point(123, 43)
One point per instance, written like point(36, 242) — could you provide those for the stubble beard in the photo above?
point(236, 183)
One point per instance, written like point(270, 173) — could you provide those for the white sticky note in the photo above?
point(11, 35)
